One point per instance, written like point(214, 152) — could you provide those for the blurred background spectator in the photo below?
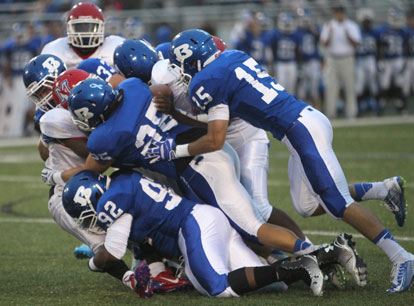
point(282, 35)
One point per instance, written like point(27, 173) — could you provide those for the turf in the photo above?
point(37, 266)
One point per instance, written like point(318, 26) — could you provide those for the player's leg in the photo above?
point(254, 164)
point(347, 70)
point(315, 74)
point(331, 87)
point(384, 76)
point(204, 242)
point(309, 140)
point(212, 178)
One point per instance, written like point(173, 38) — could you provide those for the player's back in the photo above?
point(392, 42)
point(308, 45)
point(57, 125)
point(156, 210)
point(130, 129)
point(368, 46)
point(284, 45)
point(234, 78)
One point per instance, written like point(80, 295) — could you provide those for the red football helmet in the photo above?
point(85, 26)
point(64, 83)
point(221, 45)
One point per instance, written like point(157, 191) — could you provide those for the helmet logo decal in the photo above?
point(51, 64)
point(94, 85)
point(62, 91)
point(83, 113)
point(182, 52)
point(83, 196)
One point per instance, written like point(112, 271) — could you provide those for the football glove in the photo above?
point(161, 150)
point(51, 177)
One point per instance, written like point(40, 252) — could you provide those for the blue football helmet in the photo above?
point(91, 102)
point(80, 198)
point(135, 58)
point(192, 50)
point(162, 50)
point(39, 75)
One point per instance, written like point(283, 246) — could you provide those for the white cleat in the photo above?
point(402, 276)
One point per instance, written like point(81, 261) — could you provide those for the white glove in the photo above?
point(51, 177)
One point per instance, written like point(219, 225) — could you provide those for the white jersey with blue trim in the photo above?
point(237, 80)
point(57, 124)
point(61, 48)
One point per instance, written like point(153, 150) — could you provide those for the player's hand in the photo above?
point(163, 104)
point(163, 150)
point(51, 177)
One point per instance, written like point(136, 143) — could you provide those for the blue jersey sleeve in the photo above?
point(103, 148)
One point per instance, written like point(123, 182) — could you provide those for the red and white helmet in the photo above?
point(221, 45)
point(85, 26)
point(64, 84)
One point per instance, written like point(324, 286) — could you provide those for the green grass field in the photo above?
point(37, 266)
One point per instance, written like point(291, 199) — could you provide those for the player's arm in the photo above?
point(43, 150)
point(212, 141)
point(108, 258)
point(166, 106)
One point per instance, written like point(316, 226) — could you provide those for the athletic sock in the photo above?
point(263, 276)
point(370, 191)
point(395, 252)
point(301, 247)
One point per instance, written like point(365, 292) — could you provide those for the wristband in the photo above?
point(182, 151)
point(57, 178)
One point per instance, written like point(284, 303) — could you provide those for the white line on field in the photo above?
point(314, 233)
point(27, 220)
point(20, 178)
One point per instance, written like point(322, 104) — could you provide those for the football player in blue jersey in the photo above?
point(409, 78)
point(366, 81)
point(310, 73)
point(253, 38)
point(285, 43)
point(126, 126)
point(392, 40)
point(131, 207)
point(234, 85)
point(17, 51)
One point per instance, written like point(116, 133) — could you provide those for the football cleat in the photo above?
point(402, 275)
point(83, 251)
point(335, 274)
point(307, 269)
point(347, 256)
point(142, 284)
point(166, 282)
point(395, 199)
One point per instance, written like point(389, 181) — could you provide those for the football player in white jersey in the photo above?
point(85, 37)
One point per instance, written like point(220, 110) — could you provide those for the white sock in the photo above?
point(371, 191)
point(156, 268)
point(395, 252)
